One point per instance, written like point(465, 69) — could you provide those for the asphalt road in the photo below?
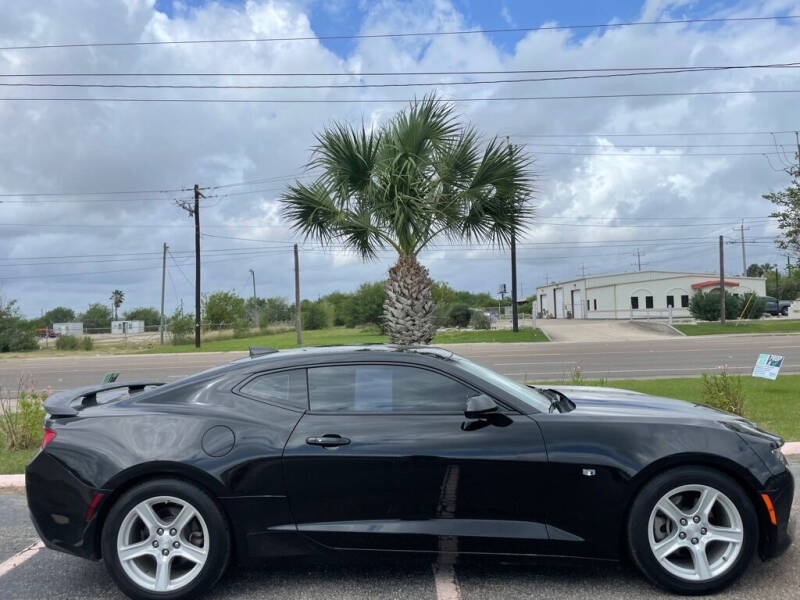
point(664, 357)
point(52, 575)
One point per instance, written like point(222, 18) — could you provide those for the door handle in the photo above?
point(327, 440)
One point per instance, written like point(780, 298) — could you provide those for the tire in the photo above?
point(731, 515)
point(195, 552)
point(785, 311)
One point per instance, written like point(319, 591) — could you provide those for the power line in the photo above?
point(653, 134)
point(175, 86)
point(351, 36)
point(397, 100)
point(392, 73)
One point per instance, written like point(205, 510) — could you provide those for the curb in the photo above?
point(18, 481)
point(12, 481)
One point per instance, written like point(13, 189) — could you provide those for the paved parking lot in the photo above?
point(49, 574)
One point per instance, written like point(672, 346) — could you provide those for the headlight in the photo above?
point(778, 454)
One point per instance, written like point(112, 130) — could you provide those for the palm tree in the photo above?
point(419, 178)
point(117, 298)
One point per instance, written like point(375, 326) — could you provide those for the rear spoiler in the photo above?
point(63, 403)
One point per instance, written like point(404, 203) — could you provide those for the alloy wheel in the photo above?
point(163, 543)
point(695, 532)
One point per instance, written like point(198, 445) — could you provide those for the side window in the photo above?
point(685, 301)
point(287, 388)
point(384, 388)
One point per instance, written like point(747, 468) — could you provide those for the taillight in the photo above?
point(49, 434)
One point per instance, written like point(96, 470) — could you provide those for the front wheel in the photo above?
point(692, 530)
point(165, 539)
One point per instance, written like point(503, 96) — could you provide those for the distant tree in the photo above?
point(787, 203)
point(96, 319)
point(59, 314)
point(15, 333)
point(148, 314)
point(277, 310)
point(755, 270)
point(117, 298)
point(313, 315)
point(221, 310)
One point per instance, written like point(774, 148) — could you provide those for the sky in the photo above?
point(609, 181)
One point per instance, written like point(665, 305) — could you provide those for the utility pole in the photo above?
point(514, 315)
point(744, 257)
point(257, 316)
point(721, 281)
point(639, 259)
point(297, 322)
point(253, 273)
point(194, 211)
point(163, 282)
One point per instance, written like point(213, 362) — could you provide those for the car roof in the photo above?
point(264, 357)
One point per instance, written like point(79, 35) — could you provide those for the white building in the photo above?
point(642, 294)
point(121, 327)
point(68, 328)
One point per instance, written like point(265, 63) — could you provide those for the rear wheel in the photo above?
point(692, 530)
point(165, 539)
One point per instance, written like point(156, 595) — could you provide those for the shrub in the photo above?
point(705, 307)
point(724, 391)
point(441, 317)
point(480, 320)
point(67, 342)
point(241, 328)
point(752, 306)
point(313, 315)
point(86, 343)
point(21, 425)
point(182, 327)
point(459, 315)
point(15, 334)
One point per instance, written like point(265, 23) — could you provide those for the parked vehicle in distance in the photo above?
point(46, 332)
point(341, 449)
point(776, 307)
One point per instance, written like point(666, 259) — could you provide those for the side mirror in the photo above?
point(480, 406)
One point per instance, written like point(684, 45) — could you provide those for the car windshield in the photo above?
point(527, 395)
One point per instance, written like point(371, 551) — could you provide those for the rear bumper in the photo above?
point(775, 539)
point(63, 508)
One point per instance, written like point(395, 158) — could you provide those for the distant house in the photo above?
point(641, 294)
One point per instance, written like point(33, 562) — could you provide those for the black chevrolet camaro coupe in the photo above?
point(380, 448)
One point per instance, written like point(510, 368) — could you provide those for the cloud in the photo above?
point(86, 146)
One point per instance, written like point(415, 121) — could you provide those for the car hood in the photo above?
point(616, 402)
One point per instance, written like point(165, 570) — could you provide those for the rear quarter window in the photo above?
point(284, 388)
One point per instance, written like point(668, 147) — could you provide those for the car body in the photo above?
point(46, 332)
point(322, 450)
point(776, 307)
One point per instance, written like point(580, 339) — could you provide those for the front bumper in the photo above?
point(775, 539)
point(63, 508)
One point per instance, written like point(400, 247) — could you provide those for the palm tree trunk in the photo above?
point(408, 307)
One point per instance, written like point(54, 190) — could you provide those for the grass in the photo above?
point(766, 326)
point(775, 405)
point(14, 461)
point(342, 335)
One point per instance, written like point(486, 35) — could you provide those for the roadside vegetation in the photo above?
point(777, 325)
point(285, 338)
point(21, 418)
point(774, 405)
